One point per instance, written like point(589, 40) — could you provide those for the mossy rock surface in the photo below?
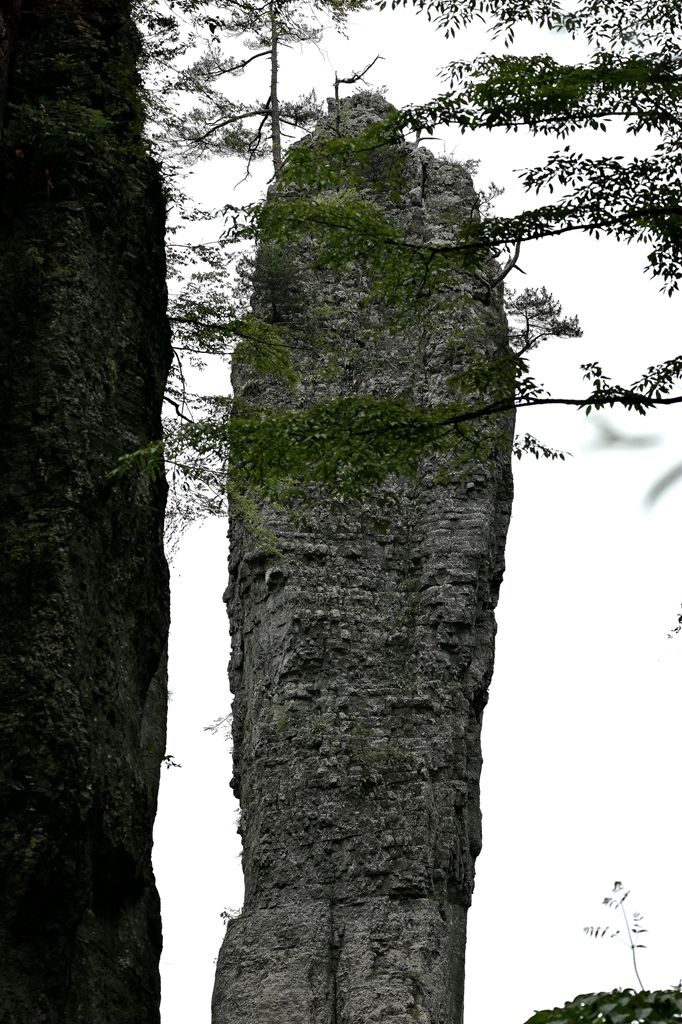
point(84, 351)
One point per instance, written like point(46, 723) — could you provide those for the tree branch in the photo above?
point(225, 122)
point(509, 266)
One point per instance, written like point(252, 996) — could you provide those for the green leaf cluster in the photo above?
point(632, 77)
point(622, 1006)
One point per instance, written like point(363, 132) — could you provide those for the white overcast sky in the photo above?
point(581, 736)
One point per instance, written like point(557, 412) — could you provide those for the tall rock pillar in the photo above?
point(361, 659)
point(84, 352)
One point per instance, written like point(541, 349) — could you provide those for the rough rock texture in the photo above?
point(360, 667)
point(84, 351)
point(8, 18)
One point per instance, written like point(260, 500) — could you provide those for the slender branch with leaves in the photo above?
point(632, 921)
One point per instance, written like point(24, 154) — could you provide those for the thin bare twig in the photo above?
point(353, 79)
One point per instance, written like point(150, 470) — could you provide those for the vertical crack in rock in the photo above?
point(362, 655)
point(84, 352)
point(335, 947)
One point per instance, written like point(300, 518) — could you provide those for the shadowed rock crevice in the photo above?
point(362, 655)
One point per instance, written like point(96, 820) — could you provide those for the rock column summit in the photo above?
point(361, 659)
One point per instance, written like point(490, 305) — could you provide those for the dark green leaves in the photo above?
point(623, 1006)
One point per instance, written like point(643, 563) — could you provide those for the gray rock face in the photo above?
point(361, 661)
point(84, 352)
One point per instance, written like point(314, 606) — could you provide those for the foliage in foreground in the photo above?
point(622, 1006)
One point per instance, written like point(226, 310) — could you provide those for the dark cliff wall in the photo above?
point(360, 666)
point(84, 351)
